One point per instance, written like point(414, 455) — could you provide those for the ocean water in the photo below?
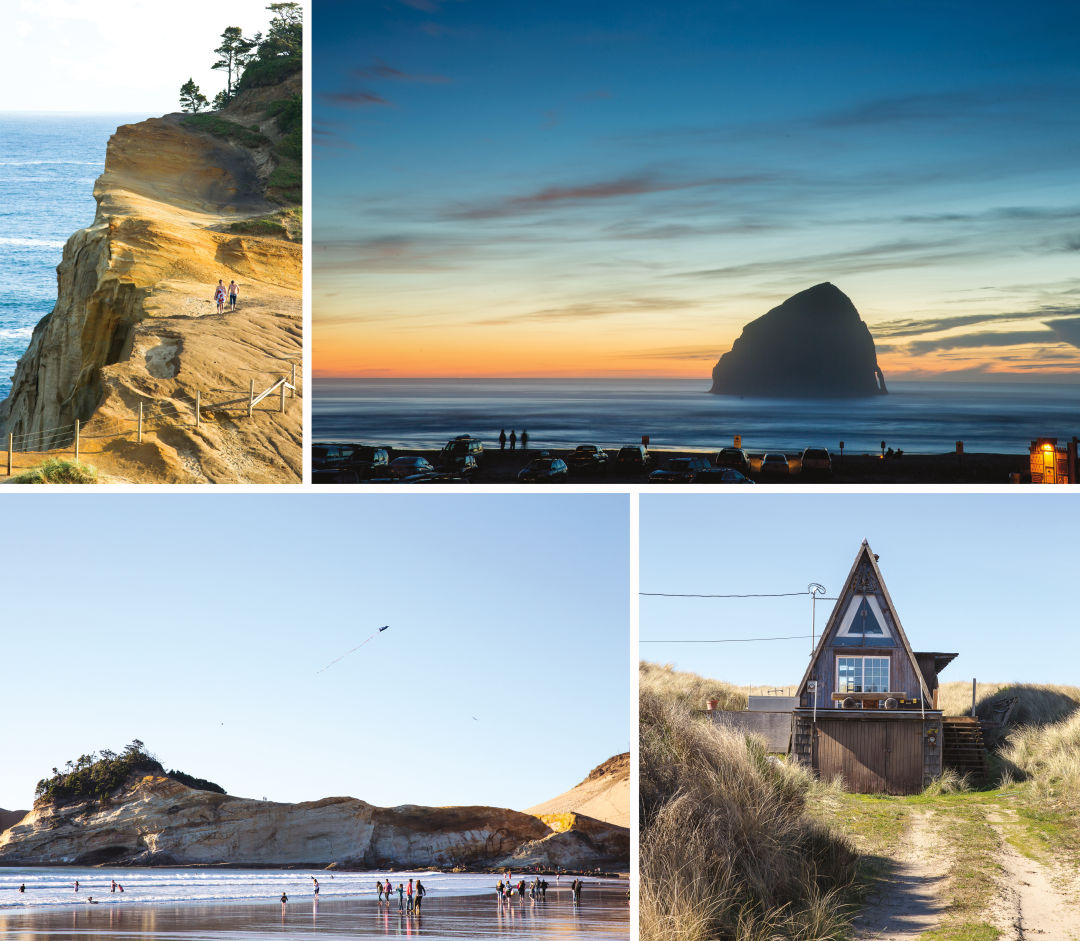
point(49, 887)
point(48, 165)
point(919, 417)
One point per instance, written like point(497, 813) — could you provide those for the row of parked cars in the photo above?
point(459, 460)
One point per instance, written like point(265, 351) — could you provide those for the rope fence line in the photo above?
point(151, 415)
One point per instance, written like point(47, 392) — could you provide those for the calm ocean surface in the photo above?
point(48, 165)
point(920, 417)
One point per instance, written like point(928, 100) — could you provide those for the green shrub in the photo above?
point(226, 130)
point(58, 471)
point(261, 73)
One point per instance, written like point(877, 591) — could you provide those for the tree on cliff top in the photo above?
point(235, 51)
point(191, 99)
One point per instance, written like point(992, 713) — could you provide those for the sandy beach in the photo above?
point(602, 914)
point(502, 467)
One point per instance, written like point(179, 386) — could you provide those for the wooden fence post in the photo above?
point(292, 382)
point(282, 395)
point(10, 443)
point(198, 407)
point(140, 422)
point(251, 399)
point(76, 441)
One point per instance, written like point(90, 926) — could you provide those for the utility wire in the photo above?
point(784, 594)
point(727, 640)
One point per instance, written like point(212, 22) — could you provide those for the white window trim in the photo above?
point(846, 656)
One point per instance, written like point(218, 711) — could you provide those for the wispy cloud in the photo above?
point(921, 327)
point(555, 197)
point(982, 340)
point(592, 310)
point(354, 99)
point(380, 70)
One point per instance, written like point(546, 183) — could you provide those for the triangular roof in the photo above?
point(853, 586)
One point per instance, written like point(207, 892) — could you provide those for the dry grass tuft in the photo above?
point(1048, 756)
point(689, 689)
point(726, 848)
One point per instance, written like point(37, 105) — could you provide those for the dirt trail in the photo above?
point(1033, 901)
point(908, 901)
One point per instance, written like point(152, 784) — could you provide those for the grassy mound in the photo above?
point(57, 471)
point(688, 689)
point(1049, 757)
point(284, 224)
point(726, 848)
point(227, 130)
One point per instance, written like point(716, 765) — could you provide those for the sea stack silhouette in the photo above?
point(814, 345)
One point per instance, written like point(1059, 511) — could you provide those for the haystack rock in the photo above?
point(154, 819)
point(814, 345)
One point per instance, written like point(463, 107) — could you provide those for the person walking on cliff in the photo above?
point(502, 439)
point(234, 289)
point(219, 296)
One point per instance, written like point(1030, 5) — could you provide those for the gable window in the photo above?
point(862, 674)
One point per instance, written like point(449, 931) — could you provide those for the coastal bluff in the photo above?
point(154, 819)
point(181, 204)
point(813, 345)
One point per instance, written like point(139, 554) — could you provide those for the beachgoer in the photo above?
point(76, 885)
point(513, 440)
point(400, 897)
point(284, 899)
point(577, 890)
point(219, 296)
point(316, 881)
point(378, 888)
point(524, 440)
point(409, 898)
point(120, 887)
point(420, 893)
point(234, 289)
point(90, 900)
point(22, 888)
point(543, 890)
point(386, 891)
point(113, 889)
point(502, 439)
point(498, 890)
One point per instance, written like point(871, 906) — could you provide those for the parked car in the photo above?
point(347, 463)
point(680, 470)
point(461, 446)
point(774, 464)
point(633, 458)
point(721, 475)
point(465, 465)
point(543, 470)
point(736, 458)
point(408, 466)
point(588, 459)
point(816, 462)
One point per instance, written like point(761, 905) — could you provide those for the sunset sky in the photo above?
point(614, 189)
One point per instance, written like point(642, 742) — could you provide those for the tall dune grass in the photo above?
point(726, 850)
point(1049, 757)
point(1040, 703)
point(689, 689)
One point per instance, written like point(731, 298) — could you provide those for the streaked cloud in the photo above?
point(354, 99)
point(591, 310)
point(380, 70)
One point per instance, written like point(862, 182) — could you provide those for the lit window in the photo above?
point(862, 674)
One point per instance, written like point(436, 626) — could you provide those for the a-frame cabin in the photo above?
point(867, 704)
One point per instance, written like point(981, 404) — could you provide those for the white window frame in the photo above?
point(836, 671)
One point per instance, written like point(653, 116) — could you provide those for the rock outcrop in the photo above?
point(813, 345)
point(135, 323)
point(8, 818)
point(154, 819)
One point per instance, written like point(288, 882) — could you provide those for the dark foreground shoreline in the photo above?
point(501, 467)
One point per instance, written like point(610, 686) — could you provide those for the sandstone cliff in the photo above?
point(813, 345)
point(135, 322)
point(603, 795)
point(8, 818)
point(154, 819)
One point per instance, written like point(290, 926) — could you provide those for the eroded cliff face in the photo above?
point(157, 820)
point(135, 321)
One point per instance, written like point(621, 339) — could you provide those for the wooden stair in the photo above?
point(963, 749)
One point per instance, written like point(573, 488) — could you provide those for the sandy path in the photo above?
point(908, 900)
point(1033, 900)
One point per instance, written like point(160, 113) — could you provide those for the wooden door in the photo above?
point(874, 756)
point(903, 753)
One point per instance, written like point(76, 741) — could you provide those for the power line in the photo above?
point(667, 594)
point(727, 640)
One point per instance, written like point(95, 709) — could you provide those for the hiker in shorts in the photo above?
point(234, 289)
point(219, 296)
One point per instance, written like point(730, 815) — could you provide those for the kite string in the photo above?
point(347, 652)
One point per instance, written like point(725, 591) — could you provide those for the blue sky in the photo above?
point(989, 576)
point(616, 188)
point(198, 624)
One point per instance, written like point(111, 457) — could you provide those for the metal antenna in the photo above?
point(815, 589)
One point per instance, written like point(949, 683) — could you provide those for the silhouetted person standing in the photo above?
point(524, 440)
point(513, 440)
point(502, 440)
